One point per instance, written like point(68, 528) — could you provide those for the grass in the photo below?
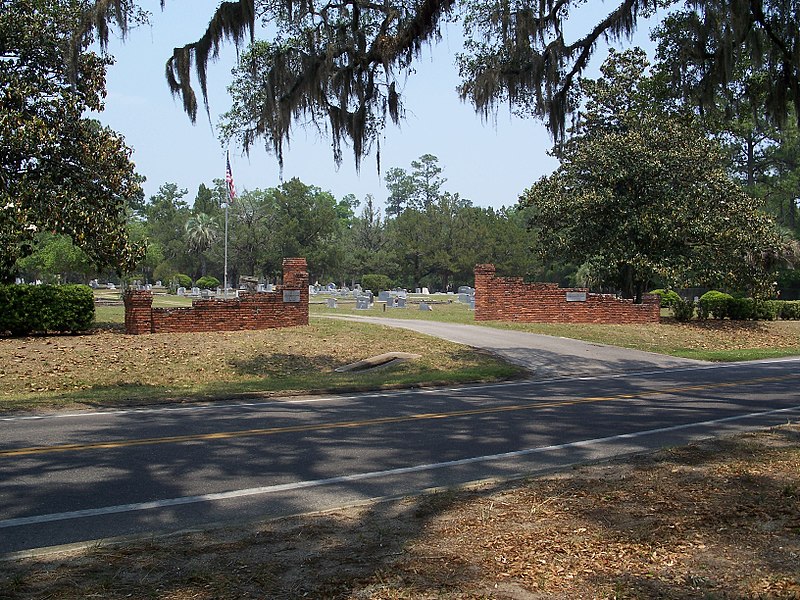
point(107, 368)
point(700, 340)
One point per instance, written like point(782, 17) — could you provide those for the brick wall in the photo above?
point(510, 299)
point(251, 310)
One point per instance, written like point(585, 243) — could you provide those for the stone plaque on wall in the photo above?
point(576, 296)
point(291, 295)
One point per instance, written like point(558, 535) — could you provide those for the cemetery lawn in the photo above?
point(109, 368)
point(700, 340)
point(717, 519)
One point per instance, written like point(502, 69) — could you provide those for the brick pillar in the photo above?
point(295, 277)
point(138, 311)
point(653, 302)
point(483, 277)
point(295, 273)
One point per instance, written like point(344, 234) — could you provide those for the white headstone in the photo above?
point(332, 303)
point(425, 291)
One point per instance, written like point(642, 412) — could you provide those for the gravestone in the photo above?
point(401, 302)
point(362, 303)
point(425, 291)
point(425, 306)
point(195, 291)
point(384, 296)
point(181, 291)
point(332, 303)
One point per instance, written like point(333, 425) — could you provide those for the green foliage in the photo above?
point(683, 309)
point(668, 297)
point(60, 171)
point(713, 304)
point(208, 282)
point(768, 310)
point(642, 196)
point(55, 259)
point(790, 310)
point(182, 280)
point(742, 309)
point(749, 309)
point(376, 282)
point(46, 308)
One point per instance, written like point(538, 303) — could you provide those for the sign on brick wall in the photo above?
point(291, 295)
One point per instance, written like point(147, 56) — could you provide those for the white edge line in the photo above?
point(332, 398)
point(125, 508)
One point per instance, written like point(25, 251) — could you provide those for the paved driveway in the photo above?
point(544, 355)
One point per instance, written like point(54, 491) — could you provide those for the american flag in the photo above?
point(229, 179)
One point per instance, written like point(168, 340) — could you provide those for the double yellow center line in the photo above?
point(227, 435)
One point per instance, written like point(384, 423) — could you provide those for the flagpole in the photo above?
point(225, 292)
point(231, 189)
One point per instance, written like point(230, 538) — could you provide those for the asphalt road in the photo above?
point(545, 356)
point(71, 478)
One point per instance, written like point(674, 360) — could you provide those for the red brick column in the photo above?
point(295, 277)
point(295, 273)
point(138, 311)
point(484, 274)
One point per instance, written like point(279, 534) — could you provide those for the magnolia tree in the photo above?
point(643, 197)
point(59, 171)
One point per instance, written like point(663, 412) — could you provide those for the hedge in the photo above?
point(27, 309)
point(790, 309)
point(714, 304)
point(207, 282)
point(668, 297)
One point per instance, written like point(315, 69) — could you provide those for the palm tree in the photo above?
point(202, 230)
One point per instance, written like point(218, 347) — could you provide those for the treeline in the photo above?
point(426, 236)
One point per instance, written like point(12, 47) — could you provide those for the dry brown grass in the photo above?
point(716, 520)
point(110, 367)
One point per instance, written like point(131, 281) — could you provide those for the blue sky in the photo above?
point(490, 163)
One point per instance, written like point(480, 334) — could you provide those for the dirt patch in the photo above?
point(719, 519)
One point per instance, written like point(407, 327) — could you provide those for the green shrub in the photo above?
point(207, 282)
point(668, 297)
point(790, 310)
point(376, 282)
point(683, 309)
point(45, 308)
point(713, 304)
point(767, 310)
point(742, 309)
point(182, 280)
